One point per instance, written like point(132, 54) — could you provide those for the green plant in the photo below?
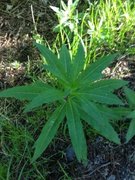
point(100, 25)
point(3, 170)
point(69, 24)
point(81, 94)
point(130, 94)
point(66, 15)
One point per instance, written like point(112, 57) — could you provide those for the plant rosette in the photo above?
point(81, 95)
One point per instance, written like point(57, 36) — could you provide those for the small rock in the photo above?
point(70, 154)
point(99, 139)
point(112, 177)
point(98, 160)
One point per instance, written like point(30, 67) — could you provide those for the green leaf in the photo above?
point(104, 128)
point(109, 98)
point(111, 113)
point(130, 94)
point(121, 111)
point(91, 114)
point(65, 60)
point(27, 92)
point(101, 91)
point(108, 85)
point(131, 129)
point(48, 132)
point(78, 62)
point(94, 71)
point(49, 96)
point(55, 9)
point(76, 131)
point(53, 63)
point(50, 57)
point(100, 97)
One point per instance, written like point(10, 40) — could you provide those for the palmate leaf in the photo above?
point(49, 96)
point(91, 114)
point(94, 71)
point(131, 129)
point(48, 132)
point(53, 64)
point(130, 94)
point(27, 92)
point(76, 131)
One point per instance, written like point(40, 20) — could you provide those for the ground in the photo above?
point(18, 58)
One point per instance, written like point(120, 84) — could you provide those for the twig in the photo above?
point(33, 19)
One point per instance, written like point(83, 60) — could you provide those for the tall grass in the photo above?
point(103, 26)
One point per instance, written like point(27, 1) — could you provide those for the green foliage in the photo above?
point(66, 13)
point(81, 94)
point(3, 170)
point(100, 25)
point(130, 94)
point(76, 131)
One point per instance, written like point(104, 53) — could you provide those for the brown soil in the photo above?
point(106, 160)
point(16, 37)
